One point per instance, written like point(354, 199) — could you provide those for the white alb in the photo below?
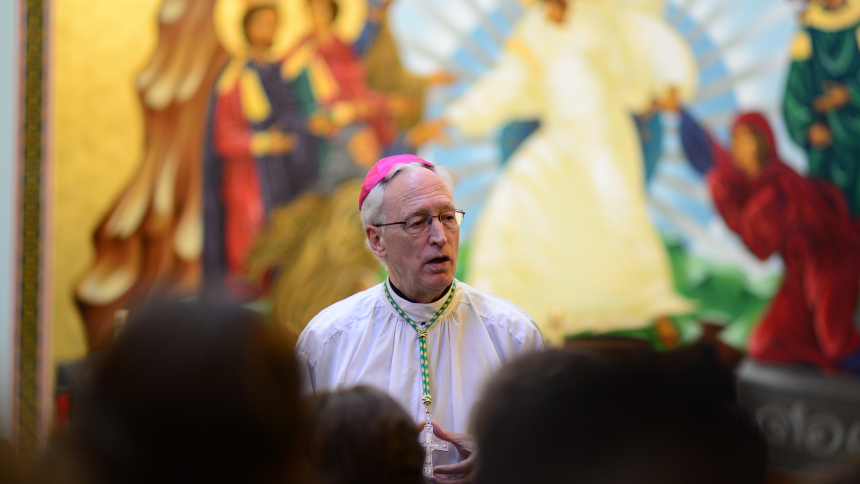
point(363, 341)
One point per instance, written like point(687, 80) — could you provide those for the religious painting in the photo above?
point(585, 138)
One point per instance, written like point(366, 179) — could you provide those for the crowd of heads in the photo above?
point(193, 392)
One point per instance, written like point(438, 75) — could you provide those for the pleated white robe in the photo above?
point(363, 341)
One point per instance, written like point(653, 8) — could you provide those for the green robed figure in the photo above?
point(822, 97)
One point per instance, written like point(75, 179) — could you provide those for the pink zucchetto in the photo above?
point(381, 169)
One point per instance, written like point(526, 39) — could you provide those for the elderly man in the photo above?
point(427, 339)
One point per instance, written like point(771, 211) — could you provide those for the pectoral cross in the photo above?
point(430, 446)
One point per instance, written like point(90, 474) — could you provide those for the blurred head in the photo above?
point(192, 393)
point(323, 13)
point(362, 435)
point(753, 145)
point(421, 265)
point(564, 416)
point(260, 25)
point(556, 10)
point(830, 3)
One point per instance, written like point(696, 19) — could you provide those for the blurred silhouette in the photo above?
point(362, 436)
point(187, 393)
point(776, 210)
point(564, 416)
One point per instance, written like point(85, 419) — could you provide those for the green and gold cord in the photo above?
point(422, 340)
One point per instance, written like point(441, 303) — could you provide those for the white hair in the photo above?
point(372, 207)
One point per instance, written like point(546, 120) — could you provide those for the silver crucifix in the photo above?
point(430, 446)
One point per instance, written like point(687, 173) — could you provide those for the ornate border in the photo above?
point(28, 418)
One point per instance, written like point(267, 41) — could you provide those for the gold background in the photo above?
point(98, 47)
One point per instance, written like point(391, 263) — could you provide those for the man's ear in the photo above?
point(374, 239)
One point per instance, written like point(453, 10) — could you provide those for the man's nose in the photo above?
point(437, 232)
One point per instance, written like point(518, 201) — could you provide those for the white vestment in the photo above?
point(565, 228)
point(363, 341)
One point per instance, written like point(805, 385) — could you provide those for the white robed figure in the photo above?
point(565, 227)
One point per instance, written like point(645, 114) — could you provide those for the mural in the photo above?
point(607, 187)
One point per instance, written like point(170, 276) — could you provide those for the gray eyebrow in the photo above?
point(412, 214)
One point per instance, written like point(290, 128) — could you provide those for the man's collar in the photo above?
point(403, 296)
point(418, 312)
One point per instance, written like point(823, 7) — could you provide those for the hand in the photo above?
point(319, 124)
point(272, 142)
point(839, 95)
point(836, 97)
point(426, 132)
point(343, 113)
point(462, 472)
point(819, 136)
point(670, 101)
point(281, 142)
point(440, 78)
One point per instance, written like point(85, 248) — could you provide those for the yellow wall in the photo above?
point(98, 48)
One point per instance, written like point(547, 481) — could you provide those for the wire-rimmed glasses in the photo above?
point(418, 224)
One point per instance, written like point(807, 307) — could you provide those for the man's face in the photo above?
point(423, 265)
point(262, 27)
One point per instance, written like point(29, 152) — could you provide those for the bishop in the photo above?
point(427, 339)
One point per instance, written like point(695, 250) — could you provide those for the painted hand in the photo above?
point(819, 136)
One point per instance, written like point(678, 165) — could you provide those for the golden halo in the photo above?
point(295, 22)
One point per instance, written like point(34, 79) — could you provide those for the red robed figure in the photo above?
point(776, 210)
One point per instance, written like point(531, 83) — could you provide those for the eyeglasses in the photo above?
point(418, 224)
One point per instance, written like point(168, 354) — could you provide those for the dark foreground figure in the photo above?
point(562, 416)
point(187, 393)
point(362, 436)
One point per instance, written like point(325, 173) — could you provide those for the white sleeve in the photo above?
point(506, 92)
point(659, 59)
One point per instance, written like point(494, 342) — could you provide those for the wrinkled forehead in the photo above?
point(417, 190)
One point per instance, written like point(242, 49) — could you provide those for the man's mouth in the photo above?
point(439, 260)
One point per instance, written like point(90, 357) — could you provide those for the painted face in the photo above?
point(745, 151)
point(262, 28)
point(831, 4)
point(555, 10)
point(322, 14)
point(423, 265)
